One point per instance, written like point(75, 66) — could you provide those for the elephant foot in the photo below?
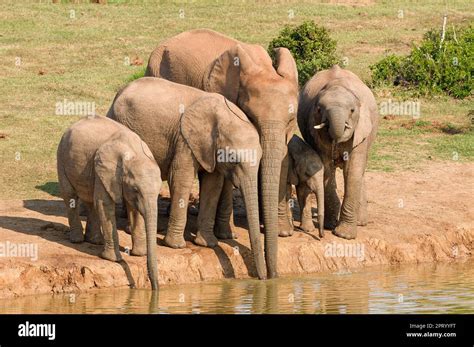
point(76, 236)
point(224, 232)
point(285, 233)
point(206, 239)
point(285, 229)
point(95, 239)
point(346, 231)
point(93, 234)
point(110, 254)
point(307, 226)
point(138, 251)
point(175, 241)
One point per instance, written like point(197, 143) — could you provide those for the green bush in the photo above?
point(310, 45)
point(433, 66)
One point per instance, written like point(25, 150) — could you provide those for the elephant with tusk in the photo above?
point(337, 116)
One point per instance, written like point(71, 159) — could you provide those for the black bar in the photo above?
point(136, 330)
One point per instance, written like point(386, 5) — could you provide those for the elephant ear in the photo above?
point(199, 130)
point(286, 65)
point(364, 125)
point(109, 168)
point(223, 76)
point(236, 111)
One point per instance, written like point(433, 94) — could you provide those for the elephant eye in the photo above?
point(352, 110)
point(135, 189)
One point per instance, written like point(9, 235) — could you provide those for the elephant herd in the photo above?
point(219, 109)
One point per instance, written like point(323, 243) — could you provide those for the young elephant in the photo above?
point(306, 172)
point(101, 162)
point(190, 131)
point(337, 116)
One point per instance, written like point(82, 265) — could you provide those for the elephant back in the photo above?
point(185, 57)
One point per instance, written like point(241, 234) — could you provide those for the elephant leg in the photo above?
point(76, 231)
point(83, 210)
point(137, 231)
point(122, 209)
point(332, 204)
point(105, 207)
point(304, 200)
point(212, 184)
point(362, 220)
point(289, 206)
point(353, 173)
point(71, 200)
point(180, 183)
point(130, 220)
point(285, 225)
point(224, 217)
point(93, 233)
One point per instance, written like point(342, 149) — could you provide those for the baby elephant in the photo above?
point(306, 172)
point(101, 162)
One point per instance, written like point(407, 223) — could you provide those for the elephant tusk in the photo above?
point(348, 126)
point(320, 126)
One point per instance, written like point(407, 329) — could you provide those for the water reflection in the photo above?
point(428, 288)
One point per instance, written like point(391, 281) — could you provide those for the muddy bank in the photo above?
point(414, 217)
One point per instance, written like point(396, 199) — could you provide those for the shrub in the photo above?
point(433, 66)
point(310, 45)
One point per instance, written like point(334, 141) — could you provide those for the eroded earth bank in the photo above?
point(422, 216)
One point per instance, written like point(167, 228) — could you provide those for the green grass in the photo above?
point(137, 74)
point(83, 59)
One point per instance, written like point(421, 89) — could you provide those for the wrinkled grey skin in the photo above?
point(186, 128)
point(344, 111)
point(101, 162)
point(306, 173)
point(244, 74)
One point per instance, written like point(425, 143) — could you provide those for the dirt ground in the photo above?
point(423, 216)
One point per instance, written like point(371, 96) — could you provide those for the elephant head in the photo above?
point(127, 170)
point(269, 97)
point(222, 138)
point(340, 113)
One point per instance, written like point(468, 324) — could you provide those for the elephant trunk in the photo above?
point(250, 195)
point(318, 187)
point(337, 124)
point(274, 148)
point(151, 225)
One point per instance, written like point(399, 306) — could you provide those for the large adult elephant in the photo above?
point(244, 74)
point(338, 117)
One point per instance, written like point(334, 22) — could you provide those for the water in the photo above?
point(427, 288)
